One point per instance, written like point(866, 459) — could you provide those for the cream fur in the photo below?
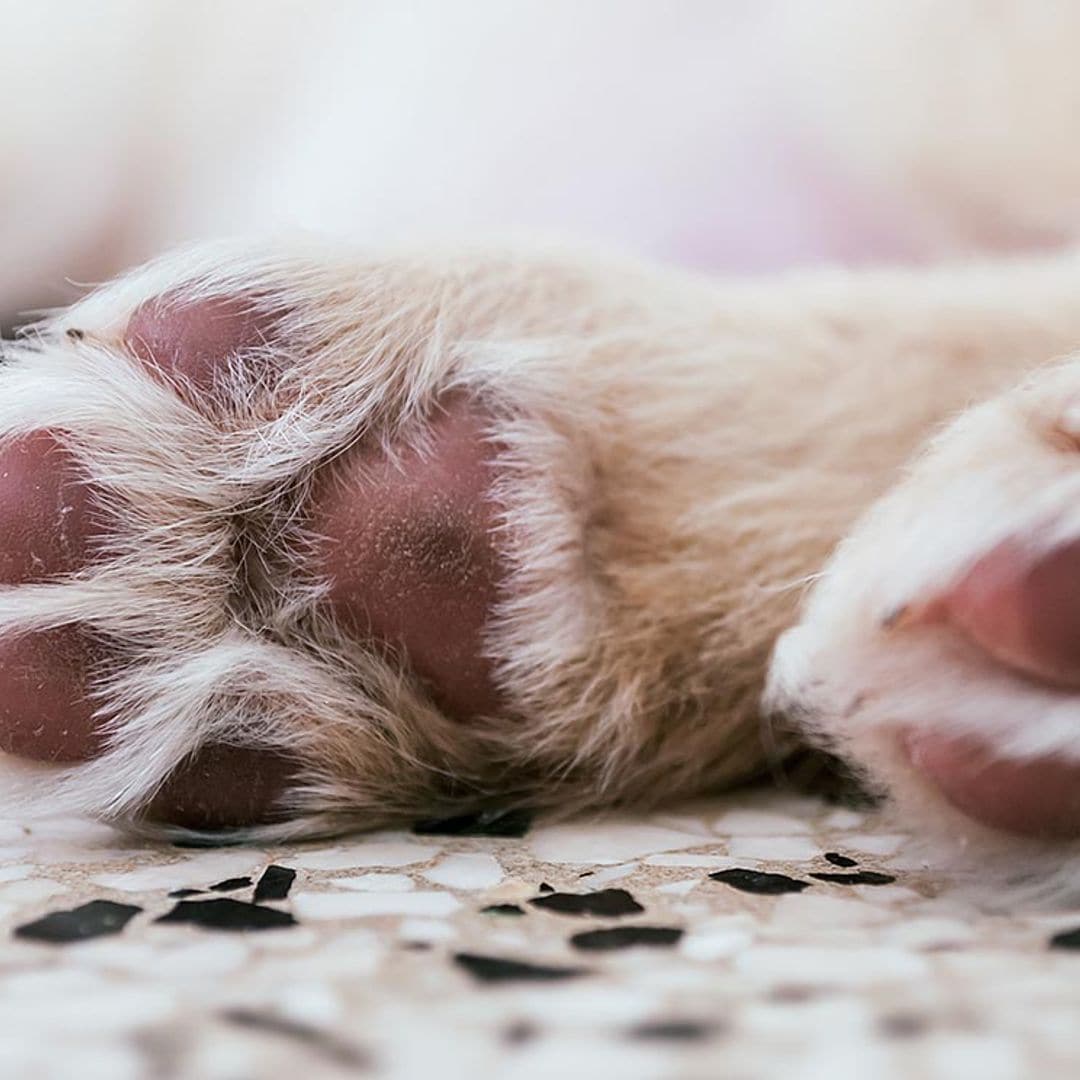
point(677, 458)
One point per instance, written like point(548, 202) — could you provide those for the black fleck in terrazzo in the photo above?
point(903, 1025)
point(98, 918)
point(510, 823)
point(233, 884)
point(840, 860)
point(503, 909)
point(1066, 939)
point(199, 842)
point(858, 877)
point(324, 1043)
point(609, 903)
point(798, 994)
point(673, 1030)
point(758, 881)
point(225, 913)
point(609, 939)
point(274, 884)
point(494, 969)
point(520, 1032)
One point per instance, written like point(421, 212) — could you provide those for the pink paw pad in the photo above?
point(1024, 612)
point(189, 344)
point(408, 548)
point(48, 512)
point(51, 528)
point(1039, 798)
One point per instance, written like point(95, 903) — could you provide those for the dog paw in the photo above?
point(296, 543)
point(940, 648)
point(251, 551)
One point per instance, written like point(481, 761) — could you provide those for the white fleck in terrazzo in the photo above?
point(426, 930)
point(903, 979)
point(596, 879)
point(678, 888)
point(342, 905)
point(609, 842)
point(372, 853)
point(466, 870)
point(710, 861)
point(772, 847)
point(758, 823)
point(377, 882)
point(33, 889)
point(876, 845)
point(716, 943)
point(199, 869)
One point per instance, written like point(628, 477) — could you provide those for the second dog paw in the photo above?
point(940, 649)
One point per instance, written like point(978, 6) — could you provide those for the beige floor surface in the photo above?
point(383, 961)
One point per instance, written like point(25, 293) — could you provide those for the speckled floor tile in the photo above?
point(759, 936)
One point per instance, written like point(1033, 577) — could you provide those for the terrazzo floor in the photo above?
point(761, 936)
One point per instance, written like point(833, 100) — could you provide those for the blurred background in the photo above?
point(734, 136)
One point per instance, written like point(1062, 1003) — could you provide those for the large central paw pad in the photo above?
point(407, 545)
